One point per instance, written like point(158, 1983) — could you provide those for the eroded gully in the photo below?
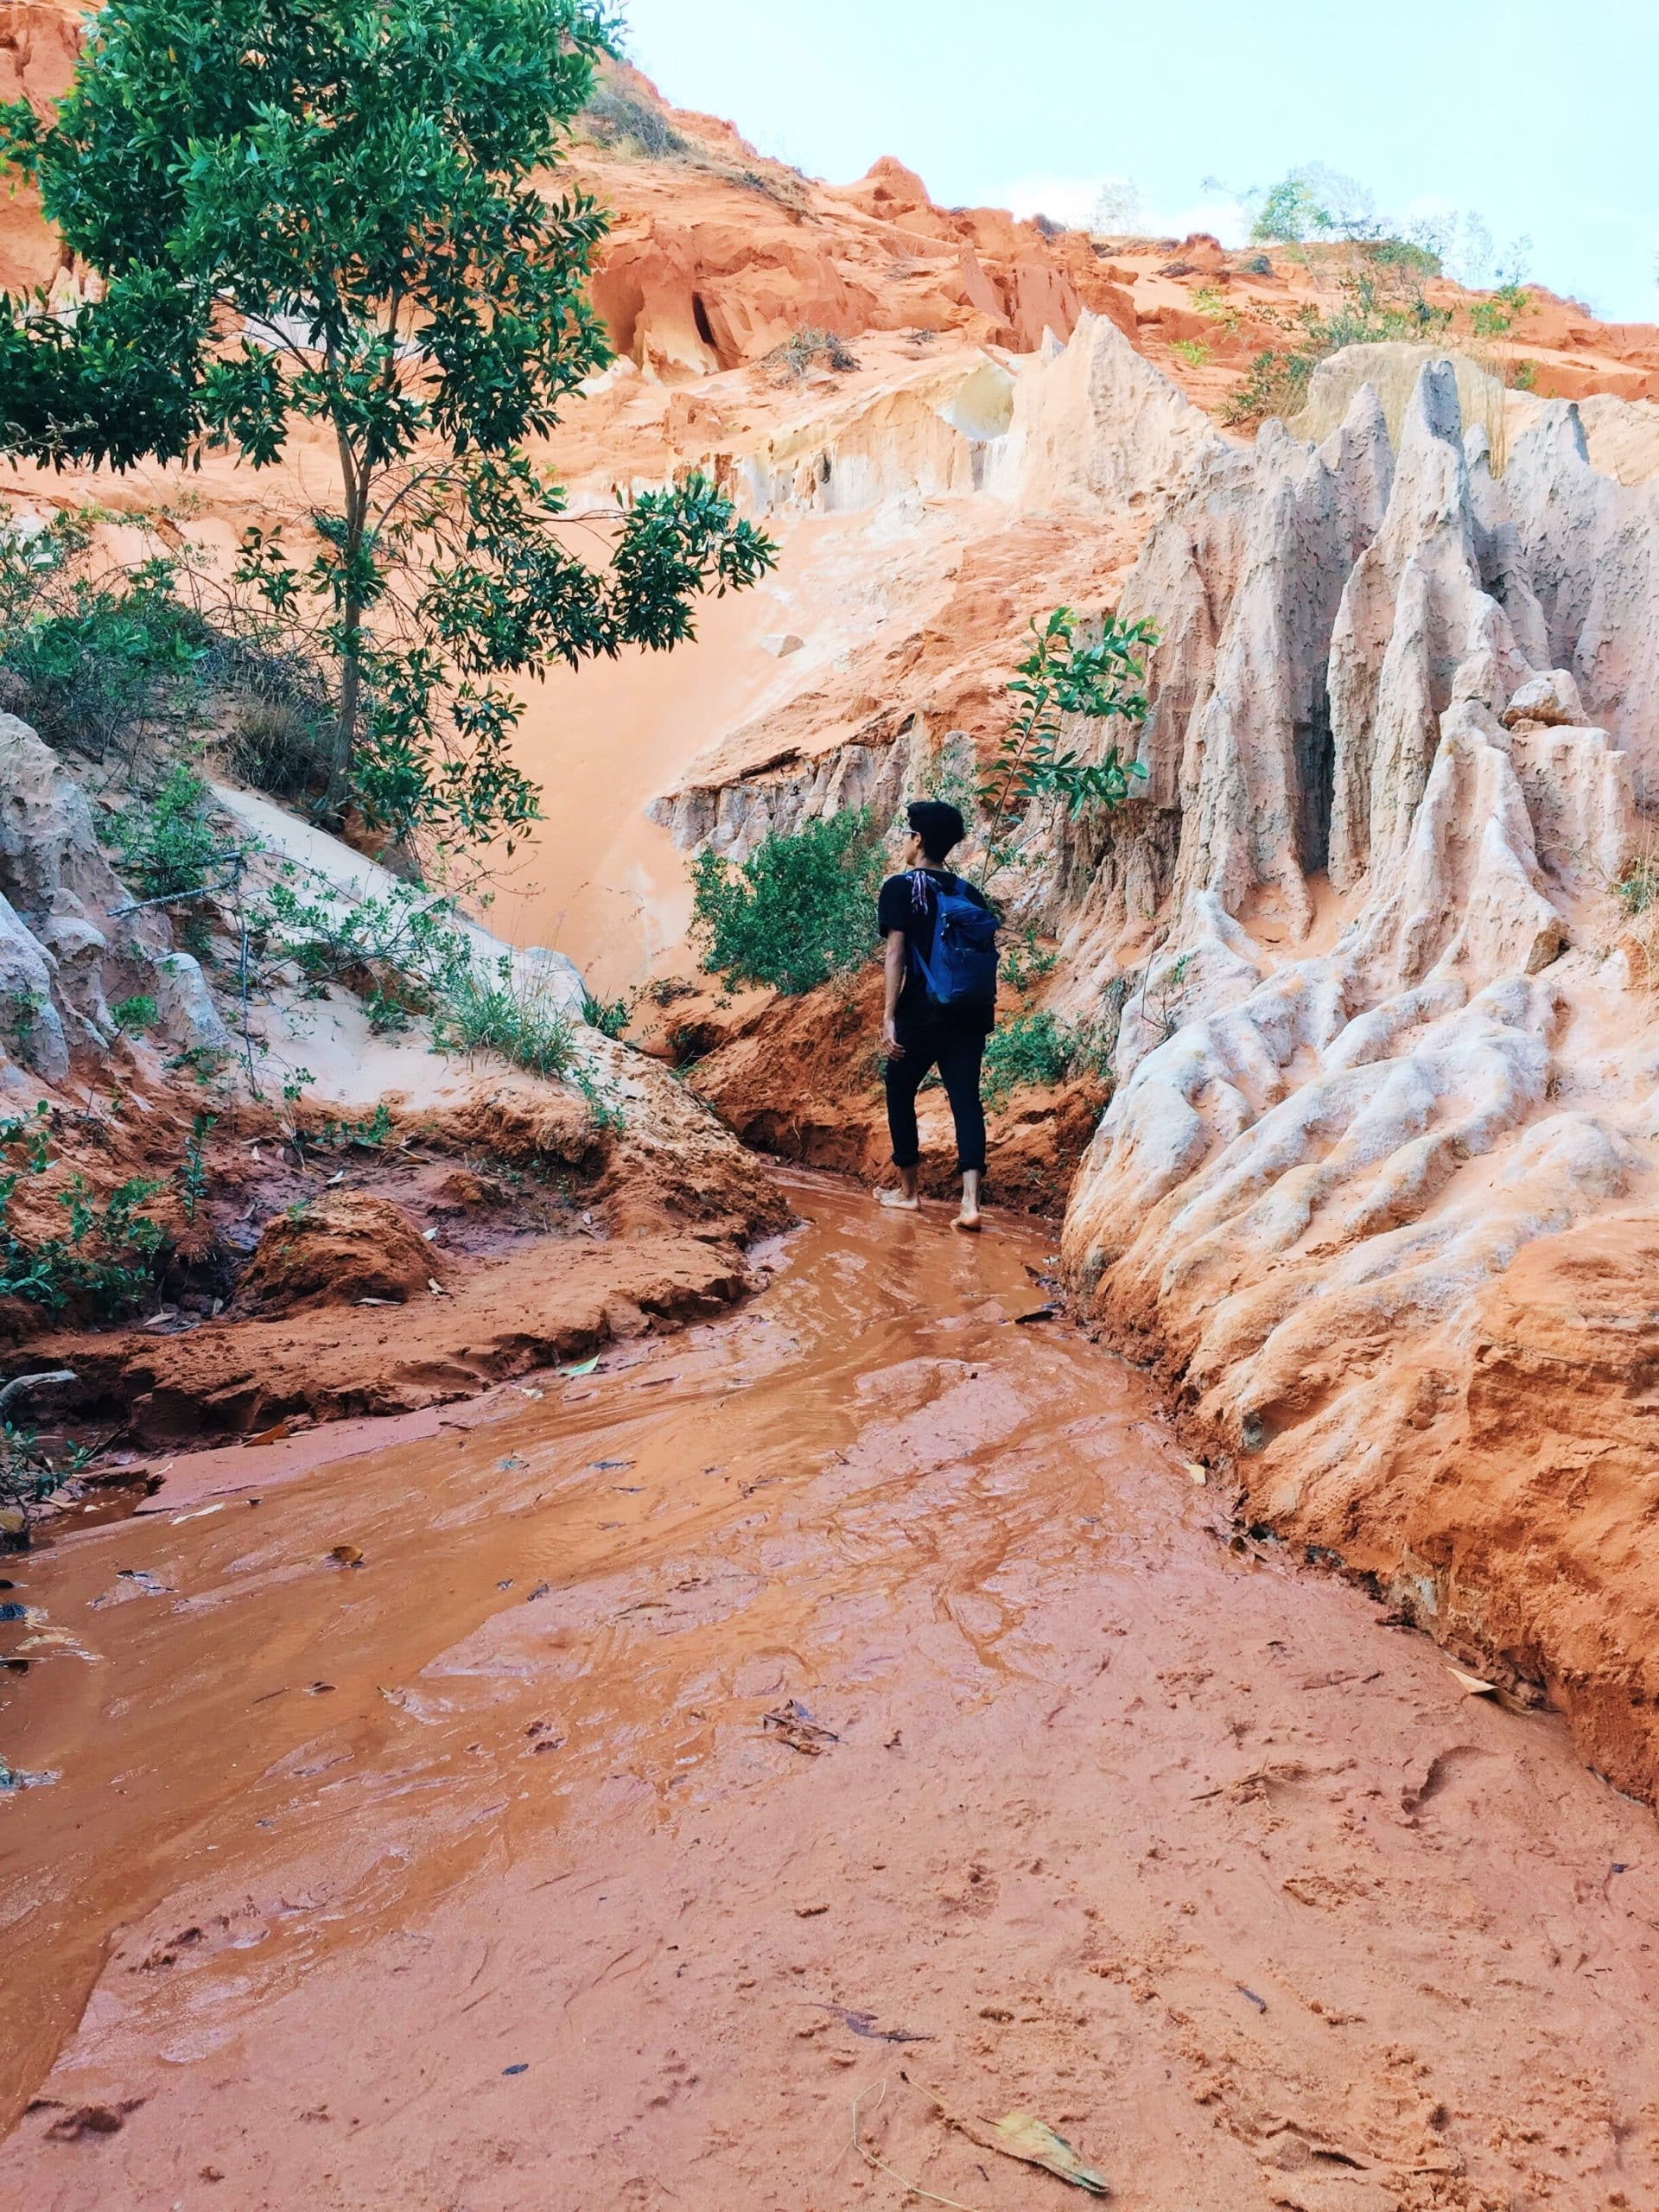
point(475, 1875)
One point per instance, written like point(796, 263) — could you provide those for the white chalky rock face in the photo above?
point(1095, 424)
point(1374, 1186)
point(1439, 690)
point(68, 943)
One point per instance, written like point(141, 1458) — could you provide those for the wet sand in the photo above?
point(475, 1875)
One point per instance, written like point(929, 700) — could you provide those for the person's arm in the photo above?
point(895, 982)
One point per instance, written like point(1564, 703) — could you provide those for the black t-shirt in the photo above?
point(910, 902)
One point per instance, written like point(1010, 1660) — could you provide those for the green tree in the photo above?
point(1312, 201)
point(335, 212)
point(1098, 681)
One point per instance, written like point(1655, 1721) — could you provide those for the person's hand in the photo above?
point(890, 1044)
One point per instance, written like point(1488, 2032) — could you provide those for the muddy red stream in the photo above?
point(477, 1875)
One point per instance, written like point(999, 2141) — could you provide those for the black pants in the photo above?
point(957, 1054)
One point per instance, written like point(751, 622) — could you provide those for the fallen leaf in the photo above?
point(91, 2120)
point(1471, 1685)
point(333, 1180)
point(427, 1235)
point(1037, 1313)
point(793, 1724)
point(586, 1367)
point(436, 1287)
point(1022, 2135)
point(347, 1556)
point(1199, 1474)
point(863, 2024)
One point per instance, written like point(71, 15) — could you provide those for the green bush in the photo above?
point(1061, 681)
point(105, 654)
point(1026, 963)
point(800, 909)
point(500, 1015)
point(624, 124)
point(27, 1479)
point(1406, 255)
point(168, 845)
point(1373, 308)
point(1313, 202)
point(107, 1258)
point(1039, 1049)
point(609, 1016)
point(406, 953)
point(403, 952)
point(135, 1015)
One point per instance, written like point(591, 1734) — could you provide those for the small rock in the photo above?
point(1551, 698)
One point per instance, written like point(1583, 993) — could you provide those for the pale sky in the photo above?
point(1543, 118)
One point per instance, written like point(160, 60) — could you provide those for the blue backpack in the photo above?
point(963, 971)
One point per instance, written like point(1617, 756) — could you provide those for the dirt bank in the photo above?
point(801, 1078)
point(519, 1898)
point(331, 1270)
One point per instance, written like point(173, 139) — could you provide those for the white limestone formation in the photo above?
point(1094, 424)
point(70, 942)
point(1379, 1025)
point(1405, 707)
point(1374, 1187)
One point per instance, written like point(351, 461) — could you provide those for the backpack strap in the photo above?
point(926, 972)
point(942, 884)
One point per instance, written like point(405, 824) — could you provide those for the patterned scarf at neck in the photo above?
point(920, 880)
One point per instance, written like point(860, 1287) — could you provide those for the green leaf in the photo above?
point(352, 193)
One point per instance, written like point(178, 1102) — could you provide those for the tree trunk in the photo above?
point(345, 738)
point(356, 483)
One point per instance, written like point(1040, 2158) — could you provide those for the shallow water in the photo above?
point(476, 1874)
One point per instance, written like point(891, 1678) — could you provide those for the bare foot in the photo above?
point(897, 1199)
point(968, 1223)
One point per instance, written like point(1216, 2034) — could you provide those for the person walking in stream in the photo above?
point(940, 939)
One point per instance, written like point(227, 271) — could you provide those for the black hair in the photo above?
point(937, 824)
